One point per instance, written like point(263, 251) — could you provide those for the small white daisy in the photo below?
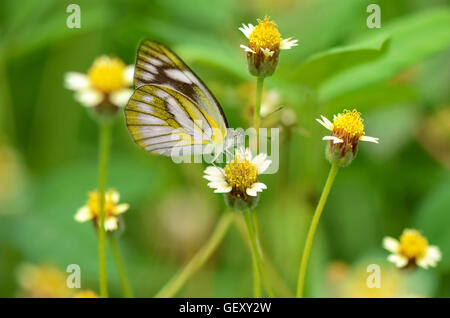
point(265, 38)
point(91, 210)
point(108, 80)
point(347, 130)
point(347, 127)
point(412, 248)
point(264, 45)
point(240, 176)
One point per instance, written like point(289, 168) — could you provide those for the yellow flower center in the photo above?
point(107, 74)
point(349, 124)
point(94, 203)
point(412, 244)
point(240, 174)
point(265, 35)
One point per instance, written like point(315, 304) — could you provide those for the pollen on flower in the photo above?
point(265, 35)
point(349, 124)
point(412, 244)
point(94, 204)
point(240, 174)
point(91, 210)
point(107, 74)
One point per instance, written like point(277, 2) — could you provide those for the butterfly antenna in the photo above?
point(267, 116)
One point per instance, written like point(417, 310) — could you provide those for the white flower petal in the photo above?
point(247, 49)
point(434, 253)
point(214, 178)
point(398, 260)
point(391, 244)
point(288, 43)
point(113, 195)
point(248, 154)
point(431, 257)
point(120, 98)
point(242, 154)
point(321, 122)
point(325, 122)
point(423, 262)
point(223, 189)
point(251, 192)
point(267, 52)
point(76, 81)
point(121, 208)
point(129, 75)
point(335, 140)
point(263, 167)
point(213, 173)
point(259, 160)
point(111, 223)
point(247, 30)
point(369, 139)
point(220, 186)
point(255, 188)
point(261, 163)
point(83, 214)
point(89, 97)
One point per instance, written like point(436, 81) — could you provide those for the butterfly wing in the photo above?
point(171, 108)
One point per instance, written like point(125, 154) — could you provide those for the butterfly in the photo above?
point(171, 111)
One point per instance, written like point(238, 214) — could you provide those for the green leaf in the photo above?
point(323, 66)
point(218, 56)
point(48, 26)
point(372, 97)
point(414, 38)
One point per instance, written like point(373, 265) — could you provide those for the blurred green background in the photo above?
point(397, 76)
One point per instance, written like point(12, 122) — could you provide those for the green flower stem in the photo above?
point(105, 143)
point(175, 284)
point(256, 279)
point(256, 275)
point(256, 252)
point(312, 229)
point(275, 278)
point(257, 110)
point(120, 267)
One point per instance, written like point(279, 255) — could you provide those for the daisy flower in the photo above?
point(106, 82)
point(412, 249)
point(91, 210)
point(347, 130)
point(239, 178)
point(42, 281)
point(264, 45)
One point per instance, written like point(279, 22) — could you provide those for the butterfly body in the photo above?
point(171, 111)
